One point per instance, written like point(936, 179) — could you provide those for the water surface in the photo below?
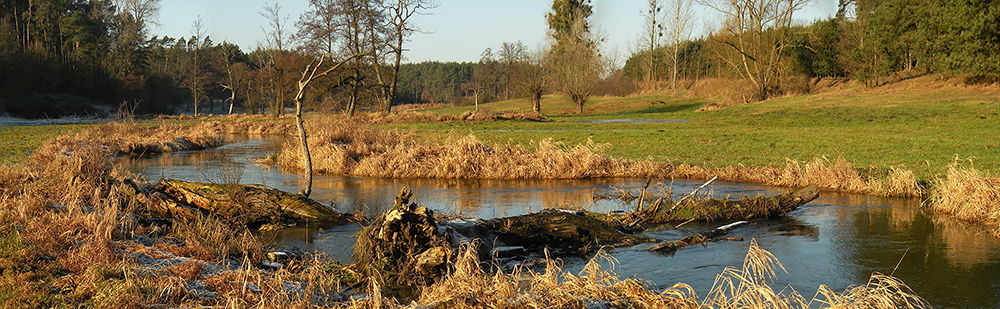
point(838, 240)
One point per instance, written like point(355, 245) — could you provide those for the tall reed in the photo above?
point(968, 194)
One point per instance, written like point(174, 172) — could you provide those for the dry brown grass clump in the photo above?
point(484, 115)
point(254, 125)
point(68, 221)
point(968, 194)
point(836, 175)
point(129, 138)
point(350, 148)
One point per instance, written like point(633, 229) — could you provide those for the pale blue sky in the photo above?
point(458, 30)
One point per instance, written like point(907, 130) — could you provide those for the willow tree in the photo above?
point(533, 78)
point(576, 64)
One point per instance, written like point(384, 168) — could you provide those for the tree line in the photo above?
point(58, 55)
point(868, 40)
point(74, 56)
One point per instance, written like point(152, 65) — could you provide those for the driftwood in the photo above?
point(721, 210)
point(671, 246)
point(252, 205)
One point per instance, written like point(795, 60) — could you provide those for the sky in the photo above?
point(458, 30)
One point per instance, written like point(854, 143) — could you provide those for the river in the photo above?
point(837, 240)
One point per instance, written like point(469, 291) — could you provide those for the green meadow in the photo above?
point(921, 128)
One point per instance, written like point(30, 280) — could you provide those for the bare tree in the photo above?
point(359, 28)
point(310, 74)
point(510, 55)
point(236, 73)
point(400, 28)
point(276, 40)
point(143, 12)
point(196, 79)
point(318, 26)
point(757, 32)
point(653, 31)
point(130, 30)
point(276, 36)
point(483, 74)
point(679, 19)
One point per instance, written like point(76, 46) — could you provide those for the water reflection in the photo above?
point(838, 240)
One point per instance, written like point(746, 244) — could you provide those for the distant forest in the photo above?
point(62, 57)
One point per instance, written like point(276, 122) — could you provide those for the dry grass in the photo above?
point(835, 175)
point(469, 286)
point(132, 139)
point(253, 124)
point(483, 115)
point(68, 221)
point(968, 194)
point(341, 146)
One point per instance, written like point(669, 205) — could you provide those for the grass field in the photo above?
point(16, 143)
point(920, 125)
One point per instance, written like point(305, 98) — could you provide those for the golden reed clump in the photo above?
point(836, 175)
point(345, 147)
point(968, 194)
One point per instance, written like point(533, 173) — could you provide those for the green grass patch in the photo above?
point(922, 130)
point(17, 142)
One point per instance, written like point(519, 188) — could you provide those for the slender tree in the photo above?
point(309, 74)
point(197, 78)
point(401, 27)
point(679, 20)
point(277, 39)
point(652, 34)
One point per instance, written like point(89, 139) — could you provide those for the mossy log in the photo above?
point(562, 230)
point(722, 210)
point(246, 204)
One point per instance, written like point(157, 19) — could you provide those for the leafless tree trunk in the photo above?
point(679, 14)
point(653, 32)
point(310, 74)
point(276, 39)
point(401, 27)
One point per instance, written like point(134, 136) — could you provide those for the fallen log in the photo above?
point(672, 246)
point(252, 205)
point(721, 210)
